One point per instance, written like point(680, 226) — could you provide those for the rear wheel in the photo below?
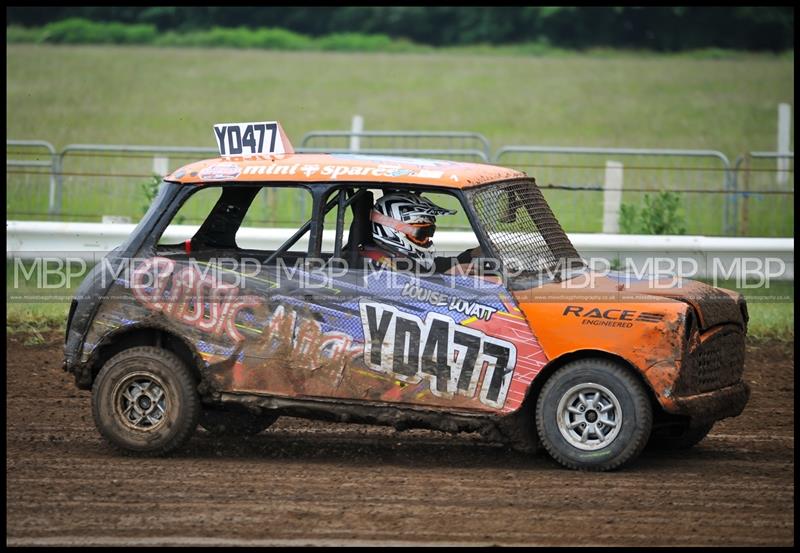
point(593, 414)
point(144, 401)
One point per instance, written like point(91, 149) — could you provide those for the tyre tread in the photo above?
point(638, 393)
point(185, 379)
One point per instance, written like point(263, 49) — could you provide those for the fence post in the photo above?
point(784, 124)
point(58, 167)
point(745, 186)
point(160, 166)
point(51, 203)
point(356, 128)
point(612, 197)
point(730, 215)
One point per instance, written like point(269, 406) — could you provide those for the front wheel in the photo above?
point(593, 414)
point(144, 401)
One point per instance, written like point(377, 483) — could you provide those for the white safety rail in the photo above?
point(735, 257)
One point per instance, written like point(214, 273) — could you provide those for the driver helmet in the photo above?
point(404, 223)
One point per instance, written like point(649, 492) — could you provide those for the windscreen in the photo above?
point(522, 229)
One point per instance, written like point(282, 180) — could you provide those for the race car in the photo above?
point(520, 340)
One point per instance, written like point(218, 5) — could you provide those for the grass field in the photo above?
point(142, 95)
point(169, 97)
point(163, 96)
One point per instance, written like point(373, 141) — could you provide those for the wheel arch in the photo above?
point(144, 335)
point(547, 371)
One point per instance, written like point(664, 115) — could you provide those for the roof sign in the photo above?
point(242, 139)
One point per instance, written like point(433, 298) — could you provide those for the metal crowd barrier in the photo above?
point(752, 196)
point(574, 179)
point(33, 156)
point(469, 145)
point(763, 183)
point(117, 179)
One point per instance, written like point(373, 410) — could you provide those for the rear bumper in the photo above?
point(717, 404)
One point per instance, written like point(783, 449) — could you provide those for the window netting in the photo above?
point(522, 228)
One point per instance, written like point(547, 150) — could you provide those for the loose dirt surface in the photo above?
point(303, 482)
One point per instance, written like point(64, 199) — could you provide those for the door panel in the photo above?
point(388, 337)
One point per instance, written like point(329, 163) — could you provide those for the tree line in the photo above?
point(659, 28)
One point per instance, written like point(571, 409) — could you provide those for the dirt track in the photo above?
point(305, 482)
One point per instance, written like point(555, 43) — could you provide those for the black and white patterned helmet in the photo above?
point(404, 223)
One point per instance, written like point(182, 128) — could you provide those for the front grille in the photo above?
point(716, 363)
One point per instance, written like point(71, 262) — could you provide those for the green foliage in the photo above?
point(150, 190)
point(657, 28)
point(628, 219)
point(78, 31)
point(616, 264)
point(15, 33)
point(356, 42)
point(240, 37)
point(659, 215)
point(712, 54)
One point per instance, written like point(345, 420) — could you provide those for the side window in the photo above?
point(453, 233)
point(191, 215)
point(275, 214)
point(249, 217)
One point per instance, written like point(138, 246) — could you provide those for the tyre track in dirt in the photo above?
point(324, 483)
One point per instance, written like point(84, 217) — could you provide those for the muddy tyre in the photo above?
point(144, 401)
point(683, 437)
point(593, 414)
point(234, 422)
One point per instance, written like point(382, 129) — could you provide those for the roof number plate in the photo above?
point(242, 139)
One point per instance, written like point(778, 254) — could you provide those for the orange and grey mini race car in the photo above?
point(515, 338)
